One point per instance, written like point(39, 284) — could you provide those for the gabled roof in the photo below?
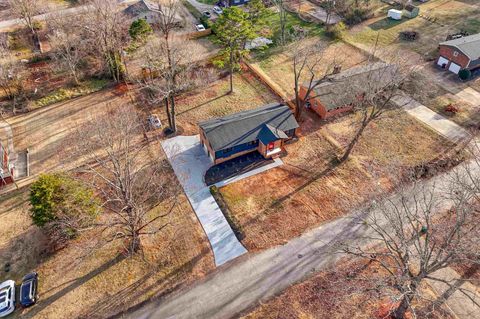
point(469, 45)
point(243, 127)
point(270, 134)
point(343, 88)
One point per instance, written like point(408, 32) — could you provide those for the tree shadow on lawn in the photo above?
point(203, 104)
point(44, 303)
point(386, 24)
point(112, 306)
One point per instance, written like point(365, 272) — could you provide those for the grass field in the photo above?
point(309, 189)
point(450, 16)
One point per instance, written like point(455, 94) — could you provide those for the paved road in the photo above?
point(190, 162)
point(257, 277)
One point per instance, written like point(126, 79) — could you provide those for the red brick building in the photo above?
point(6, 169)
point(461, 53)
point(338, 93)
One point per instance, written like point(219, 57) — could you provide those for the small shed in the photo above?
point(394, 14)
point(411, 11)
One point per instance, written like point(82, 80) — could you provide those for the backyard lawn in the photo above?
point(438, 19)
point(213, 101)
point(310, 189)
point(279, 66)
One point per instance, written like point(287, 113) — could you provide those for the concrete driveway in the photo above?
point(440, 124)
point(190, 162)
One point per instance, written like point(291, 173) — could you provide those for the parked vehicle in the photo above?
point(7, 297)
point(154, 121)
point(207, 14)
point(29, 289)
point(217, 10)
point(199, 27)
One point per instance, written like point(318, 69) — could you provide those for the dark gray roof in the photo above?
point(269, 134)
point(469, 45)
point(244, 127)
point(343, 88)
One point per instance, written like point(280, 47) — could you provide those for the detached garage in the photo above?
point(459, 54)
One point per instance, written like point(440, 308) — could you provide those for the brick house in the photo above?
point(263, 129)
point(339, 92)
point(6, 169)
point(461, 53)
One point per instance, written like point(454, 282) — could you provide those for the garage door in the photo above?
point(441, 61)
point(455, 68)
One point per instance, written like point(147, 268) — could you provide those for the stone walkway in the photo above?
point(440, 124)
point(190, 162)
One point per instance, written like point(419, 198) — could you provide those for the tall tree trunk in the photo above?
point(404, 305)
point(172, 114)
point(231, 72)
point(167, 110)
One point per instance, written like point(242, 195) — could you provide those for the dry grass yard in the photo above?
point(213, 101)
point(74, 284)
point(449, 16)
point(309, 189)
point(279, 66)
point(335, 293)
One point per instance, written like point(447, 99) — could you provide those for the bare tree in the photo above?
point(307, 60)
point(11, 75)
point(371, 95)
point(124, 174)
point(282, 16)
point(26, 10)
point(414, 236)
point(68, 46)
point(107, 29)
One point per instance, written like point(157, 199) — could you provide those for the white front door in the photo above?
point(455, 68)
point(442, 61)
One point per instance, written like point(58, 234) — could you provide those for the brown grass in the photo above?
point(337, 293)
point(309, 190)
point(280, 69)
point(213, 101)
point(101, 284)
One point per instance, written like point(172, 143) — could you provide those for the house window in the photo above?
point(455, 53)
point(227, 150)
point(270, 146)
point(252, 143)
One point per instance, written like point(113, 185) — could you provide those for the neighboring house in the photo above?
point(264, 129)
point(6, 169)
point(339, 92)
point(411, 11)
point(148, 10)
point(461, 53)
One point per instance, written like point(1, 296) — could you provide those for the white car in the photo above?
point(7, 297)
point(217, 10)
point(199, 27)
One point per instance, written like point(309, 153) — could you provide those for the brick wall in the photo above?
point(448, 53)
